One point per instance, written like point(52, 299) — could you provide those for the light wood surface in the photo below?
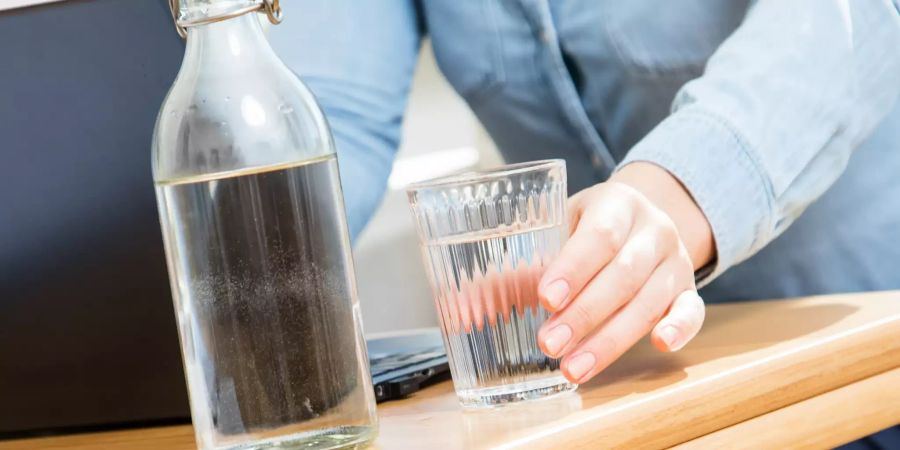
point(828, 420)
point(752, 360)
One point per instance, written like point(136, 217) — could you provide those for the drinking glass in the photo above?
point(486, 238)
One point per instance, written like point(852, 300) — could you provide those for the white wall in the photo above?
point(394, 290)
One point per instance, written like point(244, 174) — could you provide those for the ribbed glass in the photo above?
point(486, 239)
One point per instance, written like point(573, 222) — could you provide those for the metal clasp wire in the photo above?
point(271, 7)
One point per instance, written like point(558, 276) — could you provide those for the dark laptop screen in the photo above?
point(87, 331)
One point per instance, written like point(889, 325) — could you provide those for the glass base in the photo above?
point(335, 438)
point(513, 393)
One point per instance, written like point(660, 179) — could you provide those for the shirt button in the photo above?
point(545, 36)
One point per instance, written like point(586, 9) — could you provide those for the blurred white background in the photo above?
point(440, 136)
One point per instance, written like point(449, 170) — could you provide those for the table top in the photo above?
point(755, 360)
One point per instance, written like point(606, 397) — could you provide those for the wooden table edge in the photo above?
point(722, 400)
point(801, 425)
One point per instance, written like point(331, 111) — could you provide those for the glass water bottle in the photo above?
point(257, 244)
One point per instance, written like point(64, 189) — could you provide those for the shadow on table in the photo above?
point(642, 369)
point(751, 326)
point(729, 331)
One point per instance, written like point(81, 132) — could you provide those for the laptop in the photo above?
point(87, 334)
point(404, 362)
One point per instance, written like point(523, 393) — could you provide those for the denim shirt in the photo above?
point(779, 117)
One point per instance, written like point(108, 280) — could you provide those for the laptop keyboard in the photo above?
point(389, 363)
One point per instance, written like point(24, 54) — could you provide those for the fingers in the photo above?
point(624, 328)
point(681, 323)
point(616, 284)
point(600, 233)
point(574, 208)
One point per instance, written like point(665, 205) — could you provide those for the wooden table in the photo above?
point(812, 372)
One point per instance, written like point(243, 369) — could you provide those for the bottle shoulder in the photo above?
point(236, 118)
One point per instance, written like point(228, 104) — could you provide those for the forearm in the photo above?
point(774, 119)
point(357, 59)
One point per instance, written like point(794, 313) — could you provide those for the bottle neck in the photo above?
point(238, 41)
point(235, 105)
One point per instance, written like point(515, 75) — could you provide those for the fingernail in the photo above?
point(581, 364)
point(556, 293)
point(557, 338)
point(669, 335)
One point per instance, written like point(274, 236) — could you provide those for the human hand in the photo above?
point(625, 270)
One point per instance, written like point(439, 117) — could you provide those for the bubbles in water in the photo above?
point(267, 305)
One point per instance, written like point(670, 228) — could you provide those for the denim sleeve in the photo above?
point(773, 120)
point(358, 60)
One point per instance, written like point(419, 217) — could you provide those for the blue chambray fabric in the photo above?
point(779, 116)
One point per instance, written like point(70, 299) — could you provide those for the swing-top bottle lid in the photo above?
point(187, 13)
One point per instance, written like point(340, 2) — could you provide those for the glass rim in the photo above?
point(480, 176)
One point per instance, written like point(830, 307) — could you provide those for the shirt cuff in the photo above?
point(718, 168)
